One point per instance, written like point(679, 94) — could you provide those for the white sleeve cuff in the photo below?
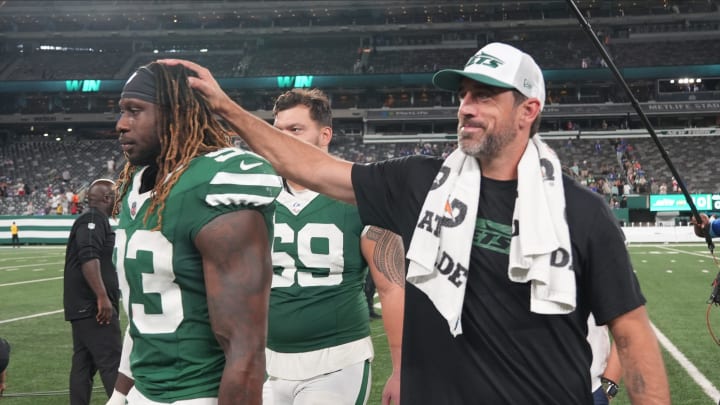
point(117, 398)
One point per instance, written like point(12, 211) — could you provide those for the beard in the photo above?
point(489, 146)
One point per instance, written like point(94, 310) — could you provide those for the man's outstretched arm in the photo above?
point(291, 157)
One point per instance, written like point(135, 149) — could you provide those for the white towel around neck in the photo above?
point(541, 254)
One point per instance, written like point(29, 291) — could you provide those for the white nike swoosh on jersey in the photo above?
point(246, 166)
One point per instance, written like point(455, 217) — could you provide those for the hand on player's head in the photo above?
point(205, 83)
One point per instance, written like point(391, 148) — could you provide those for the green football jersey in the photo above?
point(175, 354)
point(317, 298)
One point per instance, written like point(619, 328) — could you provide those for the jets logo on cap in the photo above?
point(482, 58)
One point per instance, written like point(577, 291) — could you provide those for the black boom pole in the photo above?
point(715, 295)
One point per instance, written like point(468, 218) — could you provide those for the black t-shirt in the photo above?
point(91, 237)
point(506, 354)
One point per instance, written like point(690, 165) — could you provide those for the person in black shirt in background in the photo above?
point(91, 294)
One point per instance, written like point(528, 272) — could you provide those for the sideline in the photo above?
point(31, 316)
point(706, 255)
point(31, 265)
point(694, 373)
point(31, 281)
point(686, 364)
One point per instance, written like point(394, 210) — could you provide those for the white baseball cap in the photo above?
point(499, 65)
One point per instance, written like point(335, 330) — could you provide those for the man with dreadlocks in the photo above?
point(193, 247)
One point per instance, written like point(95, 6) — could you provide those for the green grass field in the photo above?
point(675, 280)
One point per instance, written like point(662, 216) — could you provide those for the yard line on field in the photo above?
point(694, 373)
point(31, 316)
point(665, 244)
point(35, 247)
point(31, 281)
point(705, 255)
point(27, 265)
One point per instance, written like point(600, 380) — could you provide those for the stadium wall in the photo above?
point(660, 234)
point(51, 229)
point(56, 229)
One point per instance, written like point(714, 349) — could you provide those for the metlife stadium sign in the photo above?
point(676, 202)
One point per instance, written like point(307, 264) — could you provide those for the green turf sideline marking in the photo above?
point(35, 247)
point(705, 255)
point(31, 281)
point(690, 368)
point(17, 266)
point(45, 393)
point(665, 244)
point(31, 316)
point(694, 373)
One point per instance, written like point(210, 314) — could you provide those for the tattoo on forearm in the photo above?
point(635, 383)
point(389, 254)
point(634, 380)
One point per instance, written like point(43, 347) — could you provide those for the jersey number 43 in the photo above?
point(160, 282)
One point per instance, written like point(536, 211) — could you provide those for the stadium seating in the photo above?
point(40, 164)
point(347, 39)
point(339, 59)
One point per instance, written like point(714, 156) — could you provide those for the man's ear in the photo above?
point(528, 111)
point(326, 134)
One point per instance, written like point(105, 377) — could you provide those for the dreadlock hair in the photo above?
point(314, 99)
point(186, 128)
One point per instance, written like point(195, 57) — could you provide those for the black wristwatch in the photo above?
point(610, 387)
